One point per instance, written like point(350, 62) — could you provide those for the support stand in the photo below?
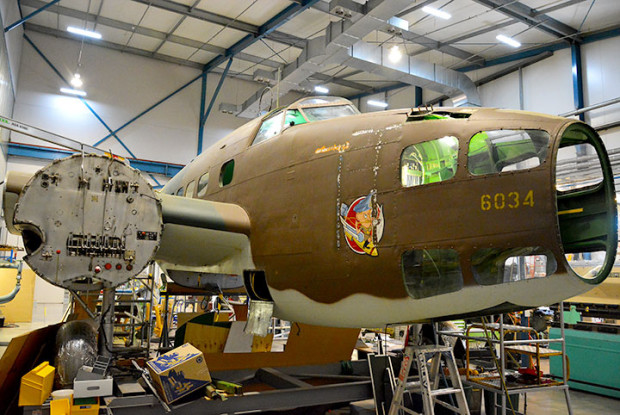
point(106, 341)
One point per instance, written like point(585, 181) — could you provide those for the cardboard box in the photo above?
point(179, 372)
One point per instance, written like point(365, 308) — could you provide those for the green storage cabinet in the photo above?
point(594, 360)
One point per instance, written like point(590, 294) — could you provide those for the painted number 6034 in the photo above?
point(512, 200)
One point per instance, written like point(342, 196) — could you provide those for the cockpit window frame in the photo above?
point(279, 113)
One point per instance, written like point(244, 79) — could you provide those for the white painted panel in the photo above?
point(125, 11)
point(114, 35)
point(82, 5)
point(402, 98)
point(468, 14)
point(310, 23)
point(197, 29)
point(144, 42)
point(548, 85)
point(249, 11)
point(501, 93)
point(597, 14)
point(121, 86)
point(226, 38)
point(176, 50)
point(44, 19)
point(159, 19)
point(601, 61)
point(9, 13)
point(202, 56)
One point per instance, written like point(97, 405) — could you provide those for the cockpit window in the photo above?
point(269, 128)
point(293, 117)
point(498, 151)
point(429, 162)
point(326, 113)
point(189, 190)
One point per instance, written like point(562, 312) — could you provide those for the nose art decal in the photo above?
point(362, 223)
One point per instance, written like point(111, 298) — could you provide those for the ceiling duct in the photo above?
point(410, 70)
point(343, 45)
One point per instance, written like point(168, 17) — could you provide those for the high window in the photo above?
point(429, 162)
point(498, 151)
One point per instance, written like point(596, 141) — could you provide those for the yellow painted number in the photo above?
point(500, 201)
point(513, 198)
point(485, 202)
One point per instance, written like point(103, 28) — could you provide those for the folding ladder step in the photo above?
point(446, 391)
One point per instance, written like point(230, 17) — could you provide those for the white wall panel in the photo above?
point(501, 93)
point(548, 85)
point(9, 14)
point(601, 61)
point(120, 86)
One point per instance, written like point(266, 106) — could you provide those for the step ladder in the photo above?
point(428, 383)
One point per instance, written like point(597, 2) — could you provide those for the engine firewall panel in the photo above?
point(88, 220)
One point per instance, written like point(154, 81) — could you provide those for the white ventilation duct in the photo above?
point(374, 59)
point(343, 46)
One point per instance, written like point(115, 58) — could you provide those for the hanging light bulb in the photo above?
point(76, 81)
point(395, 54)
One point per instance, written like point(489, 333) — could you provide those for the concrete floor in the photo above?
point(583, 403)
point(538, 403)
point(12, 330)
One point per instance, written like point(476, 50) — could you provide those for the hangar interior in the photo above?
point(159, 83)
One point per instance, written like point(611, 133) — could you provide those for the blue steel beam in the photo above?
point(271, 25)
point(577, 78)
point(203, 100)
point(203, 117)
point(167, 97)
point(51, 65)
point(418, 96)
point(30, 16)
point(46, 153)
point(607, 34)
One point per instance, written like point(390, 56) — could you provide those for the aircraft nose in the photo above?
point(586, 203)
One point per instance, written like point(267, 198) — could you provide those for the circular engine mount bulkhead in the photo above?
point(88, 221)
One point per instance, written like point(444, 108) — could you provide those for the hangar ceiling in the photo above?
point(204, 33)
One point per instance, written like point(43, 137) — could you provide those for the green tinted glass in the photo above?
point(493, 266)
point(430, 272)
point(429, 162)
point(226, 173)
point(498, 151)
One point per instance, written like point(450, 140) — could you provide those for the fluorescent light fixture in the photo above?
point(374, 103)
point(508, 40)
point(436, 12)
point(321, 89)
point(76, 81)
point(395, 54)
point(71, 91)
point(83, 32)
